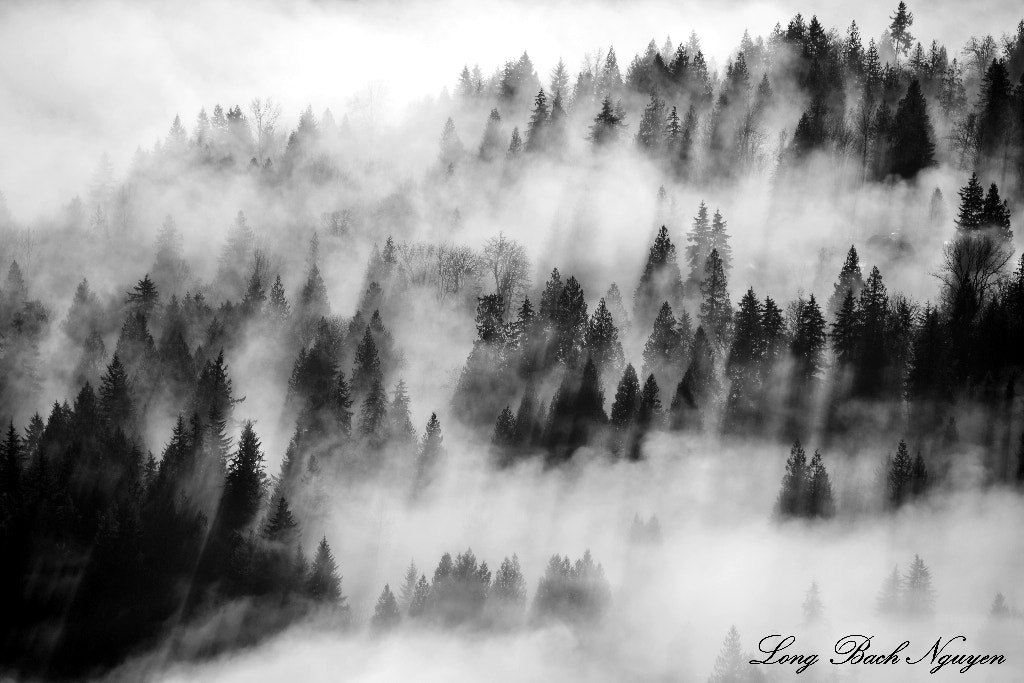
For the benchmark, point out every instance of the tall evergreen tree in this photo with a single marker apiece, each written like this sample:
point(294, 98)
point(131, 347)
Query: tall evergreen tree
point(715, 307)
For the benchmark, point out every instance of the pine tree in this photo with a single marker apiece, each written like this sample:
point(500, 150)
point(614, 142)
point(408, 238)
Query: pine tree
point(282, 527)
point(715, 307)
point(277, 306)
point(570, 323)
point(515, 145)
point(793, 498)
point(663, 352)
point(808, 343)
point(845, 334)
point(918, 594)
point(627, 399)
point(820, 502)
point(504, 437)
point(509, 584)
point(431, 449)
point(607, 124)
point(912, 145)
point(602, 340)
point(366, 368)
point(890, 599)
point(324, 583)
point(972, 206)
point(812, 607)
point(660, 281)
point(536, 131)
point(700, 247)
point(144, 297)
point(648, 414)
point(373, 415)
point(850, 280)
point(899, 29)
point(12, 453)
point(400, 429)
point(408, 589)
point(719, 241)
point(899, 476)
point(730, 666)
point(386, 614)
point(995, 214)
point(493, 138)
point(116, 406)
point(245, 482)
point(420, 599)
point(648, 135)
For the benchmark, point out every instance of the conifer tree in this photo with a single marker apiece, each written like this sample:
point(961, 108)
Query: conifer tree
point(491, 146)
point(715, 307)
point(812, 607)
point(699, 249)
point(627, 399)
point(719, 241)
point(912, 145)
point(245, 482)
point(663, 352)
point(730, 666)
point(324, 583)
point(918, 594)
point(408, 588)
point(116, 407)
point(899, 476)
point(660, 281)
point(373, 415)
point(889, 601)
point(536, 131)
point(515, 145)
point(400, 429)
point(281, 527)
point(602, 340)
point(420, 599)
point(792, 501)
point(366, 368)
point(850, 280)
point(144, 297)
point(820, 502)
point(648, 414)
point(648, 134)
point(607, 125)
point(971, 213)
point(386, 614)
point(808, 343)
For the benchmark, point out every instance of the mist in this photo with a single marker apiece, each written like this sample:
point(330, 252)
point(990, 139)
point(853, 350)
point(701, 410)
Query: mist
point(718, 325)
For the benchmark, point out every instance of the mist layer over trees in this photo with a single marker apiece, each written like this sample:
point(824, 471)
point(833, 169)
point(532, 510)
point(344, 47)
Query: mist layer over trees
point(532, 373)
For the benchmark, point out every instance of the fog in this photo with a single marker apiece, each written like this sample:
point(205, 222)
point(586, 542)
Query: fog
point(82, 80)
point(109, 76)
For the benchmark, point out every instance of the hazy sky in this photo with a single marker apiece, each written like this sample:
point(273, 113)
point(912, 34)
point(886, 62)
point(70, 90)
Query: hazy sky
point(78, 78)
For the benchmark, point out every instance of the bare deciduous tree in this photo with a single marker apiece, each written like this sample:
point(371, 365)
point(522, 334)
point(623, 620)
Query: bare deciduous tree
point(971, 266)
point(509, 266)
point(265, 113)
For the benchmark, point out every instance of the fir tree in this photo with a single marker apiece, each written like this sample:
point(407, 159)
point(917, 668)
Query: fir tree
point(660, 281)
point(918, 594)
point(730, 666)
point(850, 280)
point(536, 131)
point(812, 607)
point(627, 399)
point(602, 340)
point(386, 614)
point(715, 307)
point(912, 143)
point(324, 583)
point(793, 498)
point(408, 588)
point(245, 482)
point(699, 248)
point(373, 415)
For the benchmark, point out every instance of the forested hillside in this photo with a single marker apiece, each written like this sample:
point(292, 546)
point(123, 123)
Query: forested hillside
point(651, 289)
